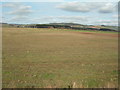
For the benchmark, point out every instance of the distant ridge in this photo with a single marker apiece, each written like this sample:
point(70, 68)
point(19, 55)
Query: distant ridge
point(74, 26)
point(65, 24)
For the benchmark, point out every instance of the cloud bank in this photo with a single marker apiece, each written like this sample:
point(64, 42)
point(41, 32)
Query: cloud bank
point(75, 12)
point(87, 7)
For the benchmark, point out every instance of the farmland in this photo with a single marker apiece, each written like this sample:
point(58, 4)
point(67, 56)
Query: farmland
point(59, 58)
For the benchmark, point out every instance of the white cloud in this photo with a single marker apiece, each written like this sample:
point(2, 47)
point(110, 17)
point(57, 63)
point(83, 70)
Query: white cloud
point(107, 8)
point(73, 17)
point(58, 19)
point(76, 6)
point(24, 10)
point(116, 16)
point(87, 7)
point(106, 22)
point(18, 12)
point(19, 20)
point(18, 8)
point(11, 5)
point(62, 19)
point(59, 0)
point(32, 0)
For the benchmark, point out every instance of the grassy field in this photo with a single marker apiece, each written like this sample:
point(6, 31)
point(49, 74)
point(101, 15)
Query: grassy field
point(59, 58)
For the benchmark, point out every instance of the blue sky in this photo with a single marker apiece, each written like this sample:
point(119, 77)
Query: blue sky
point(92, 13)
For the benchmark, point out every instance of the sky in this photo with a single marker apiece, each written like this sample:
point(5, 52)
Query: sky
point(62, 11)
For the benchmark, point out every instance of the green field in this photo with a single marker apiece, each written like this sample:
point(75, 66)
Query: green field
point(59, 58)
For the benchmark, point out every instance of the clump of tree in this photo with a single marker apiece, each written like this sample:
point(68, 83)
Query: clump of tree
point(106, 29)
point(51, 26)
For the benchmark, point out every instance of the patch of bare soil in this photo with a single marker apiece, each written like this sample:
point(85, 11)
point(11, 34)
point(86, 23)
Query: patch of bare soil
point(100, 34)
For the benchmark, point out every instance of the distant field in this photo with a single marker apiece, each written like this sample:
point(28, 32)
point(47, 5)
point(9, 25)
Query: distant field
point(59, 58)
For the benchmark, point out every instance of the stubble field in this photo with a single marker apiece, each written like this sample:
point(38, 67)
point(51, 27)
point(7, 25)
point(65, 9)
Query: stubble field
point(59, 58)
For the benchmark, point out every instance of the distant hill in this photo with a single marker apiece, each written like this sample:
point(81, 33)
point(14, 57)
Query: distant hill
point(111, 27)
point(74, 26)
point(65, 24)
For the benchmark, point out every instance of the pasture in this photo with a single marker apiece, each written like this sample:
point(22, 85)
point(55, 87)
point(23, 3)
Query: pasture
point(59, 58)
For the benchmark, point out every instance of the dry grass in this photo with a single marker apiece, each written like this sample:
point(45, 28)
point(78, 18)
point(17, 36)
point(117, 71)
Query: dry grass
point(59, 58)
